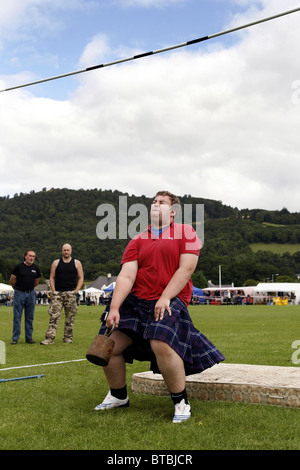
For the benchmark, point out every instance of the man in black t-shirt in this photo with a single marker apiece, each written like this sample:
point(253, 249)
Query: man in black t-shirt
point(25, 276)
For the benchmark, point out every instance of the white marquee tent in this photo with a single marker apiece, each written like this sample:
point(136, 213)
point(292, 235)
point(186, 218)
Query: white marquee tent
point(92, 291)
point(5, 288)
point(278, 289)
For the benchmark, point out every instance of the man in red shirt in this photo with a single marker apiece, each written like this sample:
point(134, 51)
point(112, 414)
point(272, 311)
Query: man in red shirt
point(149, 309)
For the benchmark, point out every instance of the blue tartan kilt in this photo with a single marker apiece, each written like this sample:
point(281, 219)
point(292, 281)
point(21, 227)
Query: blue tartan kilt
point(137, 321)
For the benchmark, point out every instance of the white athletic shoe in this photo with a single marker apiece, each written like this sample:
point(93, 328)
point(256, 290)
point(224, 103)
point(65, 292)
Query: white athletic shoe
point(182, 412)
point(112, 402)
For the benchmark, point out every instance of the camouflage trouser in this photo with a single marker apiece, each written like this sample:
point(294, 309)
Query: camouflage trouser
point(60, 300)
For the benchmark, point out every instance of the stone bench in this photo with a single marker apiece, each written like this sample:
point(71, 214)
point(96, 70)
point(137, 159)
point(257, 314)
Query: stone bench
point(232, 382)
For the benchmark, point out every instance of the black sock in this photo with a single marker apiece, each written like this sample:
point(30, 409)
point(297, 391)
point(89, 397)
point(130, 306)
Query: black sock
point(177, 397)
point(120, 393)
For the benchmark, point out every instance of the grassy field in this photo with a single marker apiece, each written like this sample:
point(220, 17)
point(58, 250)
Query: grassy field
point(276, 247)
point(57, 411)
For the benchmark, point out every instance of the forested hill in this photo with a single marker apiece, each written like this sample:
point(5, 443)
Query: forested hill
point(44, 221)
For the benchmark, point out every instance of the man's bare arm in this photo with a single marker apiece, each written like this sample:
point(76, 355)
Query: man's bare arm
point(12, 280)
point(52, 274)
point(78, 266)
point(124, 283)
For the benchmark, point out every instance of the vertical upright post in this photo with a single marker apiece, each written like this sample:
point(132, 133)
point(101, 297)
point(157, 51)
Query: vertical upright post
point(2, 353)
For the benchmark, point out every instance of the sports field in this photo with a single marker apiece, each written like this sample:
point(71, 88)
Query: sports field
point(56, 411)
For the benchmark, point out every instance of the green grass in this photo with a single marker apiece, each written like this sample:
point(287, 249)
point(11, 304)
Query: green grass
point(278, 248)
point(57, 410)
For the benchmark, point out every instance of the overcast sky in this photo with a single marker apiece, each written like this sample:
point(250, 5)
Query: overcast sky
point(218, 120)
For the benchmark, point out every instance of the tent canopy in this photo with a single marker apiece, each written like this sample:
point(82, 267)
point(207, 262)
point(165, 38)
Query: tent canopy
point(4, 288)
point(197, 291)
point(110, 288)
point(93, 290)
point(277, 287)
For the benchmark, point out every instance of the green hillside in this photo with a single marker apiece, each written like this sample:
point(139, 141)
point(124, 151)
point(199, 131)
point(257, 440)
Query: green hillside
point(45, 220)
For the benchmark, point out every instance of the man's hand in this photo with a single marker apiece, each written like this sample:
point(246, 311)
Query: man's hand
point(113, 318)
point(161, 306)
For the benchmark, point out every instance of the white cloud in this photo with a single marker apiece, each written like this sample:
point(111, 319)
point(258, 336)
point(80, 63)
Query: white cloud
point(217, 123)
point(95, 51)
point(19, 19)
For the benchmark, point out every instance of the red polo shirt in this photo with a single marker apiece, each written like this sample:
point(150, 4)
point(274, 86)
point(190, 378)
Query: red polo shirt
point(158, 259)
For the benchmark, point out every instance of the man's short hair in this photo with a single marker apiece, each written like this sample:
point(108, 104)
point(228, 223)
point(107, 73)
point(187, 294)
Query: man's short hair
point(174, 199)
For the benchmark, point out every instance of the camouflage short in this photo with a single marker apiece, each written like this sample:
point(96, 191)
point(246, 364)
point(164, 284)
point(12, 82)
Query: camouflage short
point(60, 300)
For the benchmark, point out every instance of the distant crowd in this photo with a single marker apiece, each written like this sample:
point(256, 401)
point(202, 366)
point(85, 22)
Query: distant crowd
point(240, 298)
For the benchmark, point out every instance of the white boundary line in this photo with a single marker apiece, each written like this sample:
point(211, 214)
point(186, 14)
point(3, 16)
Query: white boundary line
point(46, 364)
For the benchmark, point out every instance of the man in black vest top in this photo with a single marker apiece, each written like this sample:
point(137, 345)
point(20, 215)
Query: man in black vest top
point(66, 278)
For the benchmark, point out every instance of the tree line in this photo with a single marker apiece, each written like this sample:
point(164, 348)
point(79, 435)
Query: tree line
point(45, 220)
